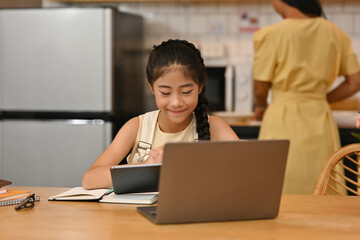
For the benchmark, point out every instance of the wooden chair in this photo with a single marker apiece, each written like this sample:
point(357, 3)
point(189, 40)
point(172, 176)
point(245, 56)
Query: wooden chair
point(333, 181)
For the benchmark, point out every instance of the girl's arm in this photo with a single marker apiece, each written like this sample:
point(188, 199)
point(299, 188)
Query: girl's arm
point(220, 130)
point(347, 88)
point(98, 175)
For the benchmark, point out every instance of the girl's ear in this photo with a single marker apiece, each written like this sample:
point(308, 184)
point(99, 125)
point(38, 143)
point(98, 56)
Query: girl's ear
point(151, 88)
point(201, 88)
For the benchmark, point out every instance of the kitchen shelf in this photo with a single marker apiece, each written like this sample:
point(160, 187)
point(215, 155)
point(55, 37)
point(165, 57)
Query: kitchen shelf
point(204, 1)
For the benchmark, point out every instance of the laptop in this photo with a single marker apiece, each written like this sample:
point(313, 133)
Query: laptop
point(219, 181)
point(135, 178)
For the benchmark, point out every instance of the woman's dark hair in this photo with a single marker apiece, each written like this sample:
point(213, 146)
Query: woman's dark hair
point(185, 54)
point(308, 7)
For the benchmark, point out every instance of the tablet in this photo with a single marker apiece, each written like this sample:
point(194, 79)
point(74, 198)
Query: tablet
point(135, 178)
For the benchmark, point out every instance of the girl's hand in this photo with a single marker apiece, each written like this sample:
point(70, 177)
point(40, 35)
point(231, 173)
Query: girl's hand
point(358, 121)
point(155, 155)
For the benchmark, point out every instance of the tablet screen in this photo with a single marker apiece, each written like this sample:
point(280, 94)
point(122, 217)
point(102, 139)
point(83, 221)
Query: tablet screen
point(135, 178)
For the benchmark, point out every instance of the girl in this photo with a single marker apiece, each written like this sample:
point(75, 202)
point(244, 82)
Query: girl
point(176, 77)
point(299, 59)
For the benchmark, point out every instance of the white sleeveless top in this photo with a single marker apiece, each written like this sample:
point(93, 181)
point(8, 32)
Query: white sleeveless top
point(153, 137)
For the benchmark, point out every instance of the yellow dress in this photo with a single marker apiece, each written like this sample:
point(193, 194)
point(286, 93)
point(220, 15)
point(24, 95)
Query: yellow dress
point(301, 58)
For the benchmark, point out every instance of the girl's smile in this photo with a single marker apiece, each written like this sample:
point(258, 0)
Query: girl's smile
point(176, 112)
point(176, 96)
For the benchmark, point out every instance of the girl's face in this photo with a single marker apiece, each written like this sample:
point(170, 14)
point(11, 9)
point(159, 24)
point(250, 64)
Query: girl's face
point(176, 96)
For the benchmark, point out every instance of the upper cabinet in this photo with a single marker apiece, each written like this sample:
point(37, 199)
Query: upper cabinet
point(102, 1)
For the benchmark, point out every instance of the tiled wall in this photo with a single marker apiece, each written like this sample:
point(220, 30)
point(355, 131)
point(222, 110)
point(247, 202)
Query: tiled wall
point(219, 22)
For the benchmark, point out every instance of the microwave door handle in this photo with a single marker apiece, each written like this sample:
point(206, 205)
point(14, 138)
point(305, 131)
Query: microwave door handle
point(229, 88)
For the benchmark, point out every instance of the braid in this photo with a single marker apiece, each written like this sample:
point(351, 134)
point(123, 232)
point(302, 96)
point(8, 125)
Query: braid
point(201, 114)
point(175, 51)
point(201, 111)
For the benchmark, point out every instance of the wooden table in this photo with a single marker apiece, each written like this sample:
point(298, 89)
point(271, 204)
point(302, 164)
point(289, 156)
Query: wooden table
point(300, 217)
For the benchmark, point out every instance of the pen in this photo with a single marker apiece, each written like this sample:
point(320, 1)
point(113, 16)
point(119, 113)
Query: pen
point(110, 191)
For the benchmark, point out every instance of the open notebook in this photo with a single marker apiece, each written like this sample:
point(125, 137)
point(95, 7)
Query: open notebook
point(104, 195)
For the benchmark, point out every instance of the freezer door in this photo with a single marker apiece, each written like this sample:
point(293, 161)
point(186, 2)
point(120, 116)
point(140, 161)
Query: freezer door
point(56, 59)
point(1, 150)
point(51, 153)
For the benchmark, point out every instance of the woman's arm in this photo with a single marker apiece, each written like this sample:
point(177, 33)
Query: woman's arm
point(347, 88)
point(220, 130)
point(98, 175)
point(261, 90)
point(358, 121)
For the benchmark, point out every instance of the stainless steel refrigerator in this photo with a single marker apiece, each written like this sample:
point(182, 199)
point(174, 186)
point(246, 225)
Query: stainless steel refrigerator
point(69, 78)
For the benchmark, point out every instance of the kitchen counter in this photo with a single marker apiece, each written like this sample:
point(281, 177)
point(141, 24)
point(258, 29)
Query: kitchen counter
point(252, 132)
point(246, 128)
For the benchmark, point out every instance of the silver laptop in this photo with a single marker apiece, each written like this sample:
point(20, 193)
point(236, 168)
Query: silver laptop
point(219, 181)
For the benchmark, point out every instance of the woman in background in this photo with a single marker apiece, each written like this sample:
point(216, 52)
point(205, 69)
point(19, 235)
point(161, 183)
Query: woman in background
point(299, 59)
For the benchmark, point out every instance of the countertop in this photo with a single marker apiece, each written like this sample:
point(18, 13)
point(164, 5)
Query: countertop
point(344, 119)
point(246, 128)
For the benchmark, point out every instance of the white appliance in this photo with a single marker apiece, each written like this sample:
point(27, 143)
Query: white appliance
point(243, 96)
point(229, 89)
point(63, 79)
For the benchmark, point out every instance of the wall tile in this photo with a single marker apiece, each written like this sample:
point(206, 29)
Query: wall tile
point(197, 24)
point(246, 45)
point(332, 7)
point(128, 7)
point(150, 41)
point(217, 24)
point(229, 7)
point(266, 8)
point(156, 25)
point(343, 21)
point(249, 7)
point(357, 24)
point(233, 24)
point(352, 7)
point(173, 7)
point(274, 18)
point(264, 20)
point(203, 7)
point(233, 47)
point(356, 45)
point(205, 38)
point(178, 24)
point(148, 8)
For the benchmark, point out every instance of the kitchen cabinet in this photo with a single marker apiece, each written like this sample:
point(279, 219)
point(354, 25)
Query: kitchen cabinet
point(250, 1)
point(20, 3)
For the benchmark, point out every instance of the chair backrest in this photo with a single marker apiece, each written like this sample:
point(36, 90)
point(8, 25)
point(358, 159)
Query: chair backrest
point(332, 179)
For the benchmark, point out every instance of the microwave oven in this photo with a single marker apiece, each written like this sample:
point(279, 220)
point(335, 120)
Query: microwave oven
point(229, 89)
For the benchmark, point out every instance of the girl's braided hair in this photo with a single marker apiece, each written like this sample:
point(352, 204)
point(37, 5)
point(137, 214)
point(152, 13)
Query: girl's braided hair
point(185, 54)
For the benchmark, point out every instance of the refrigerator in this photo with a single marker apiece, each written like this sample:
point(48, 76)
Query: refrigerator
point(69, 78)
